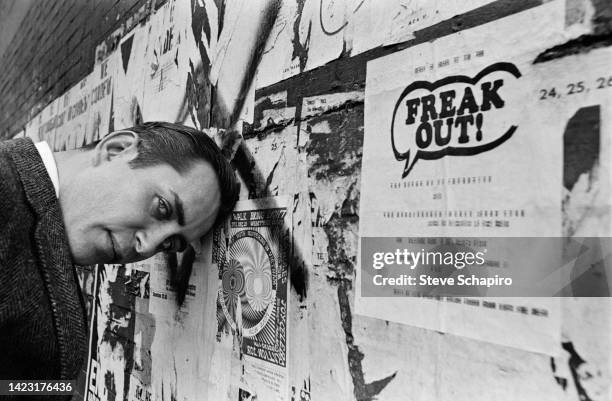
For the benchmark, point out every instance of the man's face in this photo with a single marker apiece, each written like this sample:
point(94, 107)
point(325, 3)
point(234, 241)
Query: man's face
point(117, 214)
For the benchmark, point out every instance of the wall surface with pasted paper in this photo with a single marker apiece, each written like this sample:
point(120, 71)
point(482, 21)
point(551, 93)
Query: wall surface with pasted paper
point(511, 102)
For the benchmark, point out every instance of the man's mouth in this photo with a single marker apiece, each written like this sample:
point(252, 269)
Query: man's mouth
point(116, 256)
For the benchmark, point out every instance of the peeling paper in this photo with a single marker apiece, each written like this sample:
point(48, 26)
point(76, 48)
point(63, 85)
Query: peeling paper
point(166, 63)
point(128, 98)
point(394, 21)
point(319, 248)
point(316, 105)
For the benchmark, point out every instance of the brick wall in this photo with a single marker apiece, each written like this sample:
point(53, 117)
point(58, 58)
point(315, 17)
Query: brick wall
point(53, 49)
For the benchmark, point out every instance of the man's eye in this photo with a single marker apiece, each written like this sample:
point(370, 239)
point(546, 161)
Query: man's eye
point(173, 244)
point(167, 245)
point(164, 208)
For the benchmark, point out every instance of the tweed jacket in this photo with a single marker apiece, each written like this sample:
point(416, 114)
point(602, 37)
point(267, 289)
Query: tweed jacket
point(42, 313)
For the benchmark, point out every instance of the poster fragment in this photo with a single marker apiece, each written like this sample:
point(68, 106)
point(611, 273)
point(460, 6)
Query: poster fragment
point(310, 34)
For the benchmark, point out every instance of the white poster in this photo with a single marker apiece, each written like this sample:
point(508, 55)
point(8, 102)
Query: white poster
point(463, 139)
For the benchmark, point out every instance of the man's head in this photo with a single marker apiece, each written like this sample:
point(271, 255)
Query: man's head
point(150, 188)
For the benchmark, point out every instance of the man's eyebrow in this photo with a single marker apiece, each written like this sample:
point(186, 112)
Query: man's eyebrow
point(180, 212)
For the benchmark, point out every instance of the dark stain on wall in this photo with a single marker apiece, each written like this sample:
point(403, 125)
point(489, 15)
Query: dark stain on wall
point(575, 362)
point(583, 44)
point(300, 45)
point(561, 381)
point(580, 145)
point(363, 391)
point(109, 384)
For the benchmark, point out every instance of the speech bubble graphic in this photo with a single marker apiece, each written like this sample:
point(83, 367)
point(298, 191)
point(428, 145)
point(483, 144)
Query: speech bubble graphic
point(449, 117)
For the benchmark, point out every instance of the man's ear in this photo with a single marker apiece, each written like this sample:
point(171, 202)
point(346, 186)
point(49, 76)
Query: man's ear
point(116, 144)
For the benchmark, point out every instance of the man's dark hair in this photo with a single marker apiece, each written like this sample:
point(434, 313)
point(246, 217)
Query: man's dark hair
point(180, 146)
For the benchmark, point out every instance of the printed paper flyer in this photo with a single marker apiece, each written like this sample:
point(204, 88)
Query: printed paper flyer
point(463, 138)
point(252, 255)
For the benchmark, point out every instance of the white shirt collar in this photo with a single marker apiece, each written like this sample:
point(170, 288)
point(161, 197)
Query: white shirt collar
point(49, 161)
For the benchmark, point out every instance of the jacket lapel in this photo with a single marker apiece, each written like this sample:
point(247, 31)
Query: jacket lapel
point(56, 264)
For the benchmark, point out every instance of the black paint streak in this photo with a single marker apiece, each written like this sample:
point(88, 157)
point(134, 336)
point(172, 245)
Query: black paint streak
point(580, 145)
point(220, 15)
point(271, 175)
point(300, 51)
point(223, 118)
point(325, 31)
point(126, 51)
point(179, 275)
point(199, 24)
point(109, 383)
point(561, 381)
point(582, 44)
point(247, 167)
point(574, 363)
point(298, 269)
point(363, 391)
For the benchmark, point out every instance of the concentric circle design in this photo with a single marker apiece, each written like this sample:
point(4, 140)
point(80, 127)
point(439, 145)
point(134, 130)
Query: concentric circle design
point(232, 285)
point(248, 282)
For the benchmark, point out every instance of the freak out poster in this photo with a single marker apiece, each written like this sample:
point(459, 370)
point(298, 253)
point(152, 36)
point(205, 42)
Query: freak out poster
point(473, 135)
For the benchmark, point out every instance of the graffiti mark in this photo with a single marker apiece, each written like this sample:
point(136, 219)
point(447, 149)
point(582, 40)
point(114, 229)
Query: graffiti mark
point(220, 14)
point(304, 394)
point(575, 361)
point(363, 391)
point(561, 381)
point(126, 51)
point(323, 28)
point(300, 51)
point(109, 384)
point(581, 145)
point(200, 23)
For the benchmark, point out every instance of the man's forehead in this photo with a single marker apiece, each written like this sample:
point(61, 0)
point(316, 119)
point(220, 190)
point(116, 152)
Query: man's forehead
point(197, 195)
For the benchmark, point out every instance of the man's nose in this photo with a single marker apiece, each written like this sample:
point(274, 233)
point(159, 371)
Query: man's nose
point(148, 242)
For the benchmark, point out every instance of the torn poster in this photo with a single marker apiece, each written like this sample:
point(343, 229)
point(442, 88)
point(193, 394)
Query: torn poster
point(128, 87)
point(73, 106)
point(454, 132)
point(167, 63)
point(113, 313)
point(163, 302)
point(100, 83)
point(252, 253)
point(309, 34)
